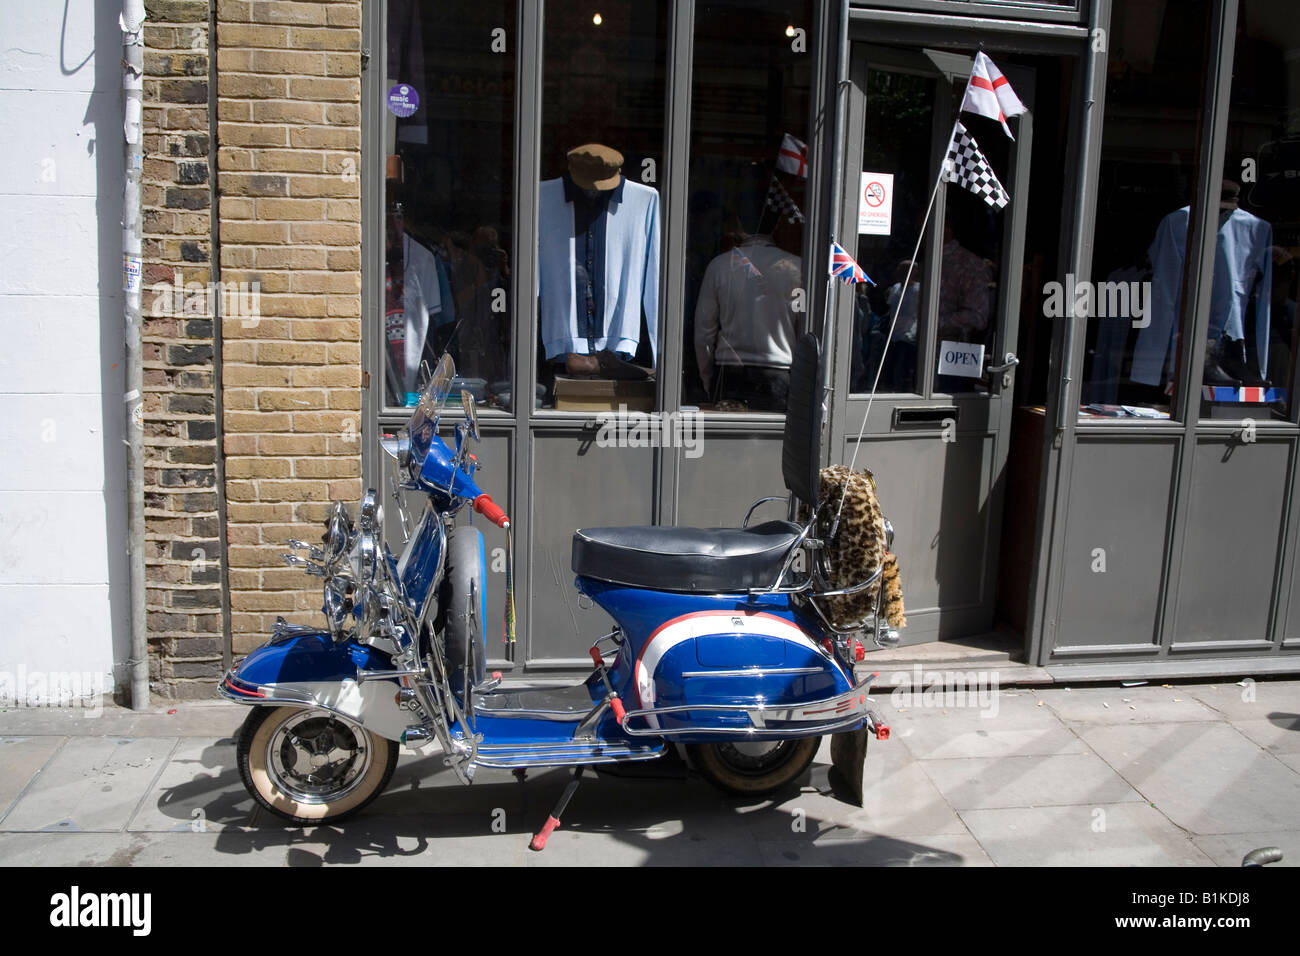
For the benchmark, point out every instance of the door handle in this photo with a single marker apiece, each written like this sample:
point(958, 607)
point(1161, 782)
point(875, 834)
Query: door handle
point(1008, 363)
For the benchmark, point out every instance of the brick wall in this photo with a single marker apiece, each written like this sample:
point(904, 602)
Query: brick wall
point(182, 527)
point(289, 156)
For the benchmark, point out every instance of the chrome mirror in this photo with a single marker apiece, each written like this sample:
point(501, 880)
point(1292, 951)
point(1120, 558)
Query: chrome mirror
point(471, 413)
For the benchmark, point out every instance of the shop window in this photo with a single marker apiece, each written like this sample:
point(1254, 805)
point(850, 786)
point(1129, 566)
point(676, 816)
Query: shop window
point(1151, 136)
point(599, 216)
point(1251, 337)
point(746, 295)
point(449, 141)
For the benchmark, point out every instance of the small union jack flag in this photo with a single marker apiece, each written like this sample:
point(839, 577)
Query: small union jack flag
point(843, 266)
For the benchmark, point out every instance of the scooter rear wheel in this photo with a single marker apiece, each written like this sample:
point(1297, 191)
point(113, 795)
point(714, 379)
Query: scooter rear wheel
point(753, 769)
point(312, 766)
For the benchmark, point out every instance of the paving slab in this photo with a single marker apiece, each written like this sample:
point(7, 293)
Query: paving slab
point(1117, 834)
point(92, 783)
point(1205, 777)
point(139, 849)
point(1227, 849)
point(949, 849)
point(22, 759)
point(199, 789)
point(1247, 699)
point(1124, 705)
point(982, 783)
point(1278, 733)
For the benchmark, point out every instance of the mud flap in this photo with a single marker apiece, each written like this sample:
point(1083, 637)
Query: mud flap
point(848, 758)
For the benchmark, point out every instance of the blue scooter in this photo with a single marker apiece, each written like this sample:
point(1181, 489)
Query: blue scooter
point(722, 656)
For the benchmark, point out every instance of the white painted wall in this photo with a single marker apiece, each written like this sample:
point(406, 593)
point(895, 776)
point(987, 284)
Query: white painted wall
point(64, 603)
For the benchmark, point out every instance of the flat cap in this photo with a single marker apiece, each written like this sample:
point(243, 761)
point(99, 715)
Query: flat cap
point(594, 166)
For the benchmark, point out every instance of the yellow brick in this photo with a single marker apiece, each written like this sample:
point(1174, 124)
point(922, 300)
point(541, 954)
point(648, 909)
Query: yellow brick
point(326, 233)
point(285, 62)
point(237, 35)
point(234, 353)
point(291, 400)
point(343, 259)
point(291, 257)
point(257, 512)
point(265, 556)
point(254, 375)
point(291, 209)
point(337, 376)
point(285, 11)
point(322, 137)
point(342, 64)
point(344, 354)
point(342, 114)
point(292, 353)
point(251, 85)
point(325, 186)
point(236, 421)
point(239, 444)
point(256, 328)
point(317, 282)
point(327, 468)
point(339, 306)
point(239, 399)
point(292, 306)
point(306, 38)
point(254, 233)
point(236, 128)
point(343, 210)
point(326, 330)
point(258, 468)
point(270, 490)
point(293, 445)
point(290, 160)
point(343, 398)
point(321, 89)
point(294, 113)
point(343, 15)
point(330, 423)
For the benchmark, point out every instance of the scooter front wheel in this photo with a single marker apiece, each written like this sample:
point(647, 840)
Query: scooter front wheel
point(312, 766)
point(753, 768)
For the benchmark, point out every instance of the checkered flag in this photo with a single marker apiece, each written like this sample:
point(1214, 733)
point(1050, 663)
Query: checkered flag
point(779, 201)
point(967, 167)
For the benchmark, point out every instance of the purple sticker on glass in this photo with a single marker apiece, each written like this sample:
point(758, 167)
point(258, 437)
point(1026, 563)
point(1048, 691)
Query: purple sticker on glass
point(403, 101)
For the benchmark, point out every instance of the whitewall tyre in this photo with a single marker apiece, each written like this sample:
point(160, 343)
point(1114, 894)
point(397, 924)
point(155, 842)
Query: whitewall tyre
point(310, 766)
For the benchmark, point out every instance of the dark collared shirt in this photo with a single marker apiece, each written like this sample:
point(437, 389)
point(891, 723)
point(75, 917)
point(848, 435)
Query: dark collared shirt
point(589, 254)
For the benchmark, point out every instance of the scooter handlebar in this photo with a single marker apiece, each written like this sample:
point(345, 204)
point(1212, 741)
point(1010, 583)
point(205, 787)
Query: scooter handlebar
point(489, 509)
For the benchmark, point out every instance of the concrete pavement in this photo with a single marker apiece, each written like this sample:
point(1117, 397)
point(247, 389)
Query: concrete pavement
point(1185, 774)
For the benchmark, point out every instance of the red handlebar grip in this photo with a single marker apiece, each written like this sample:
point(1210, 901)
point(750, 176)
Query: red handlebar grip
point(596, 656)
point(489, 509)
point(620, 714)
point(544, 834)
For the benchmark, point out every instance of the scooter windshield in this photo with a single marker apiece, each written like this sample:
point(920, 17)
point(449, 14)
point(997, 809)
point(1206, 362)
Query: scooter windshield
point(423, 425)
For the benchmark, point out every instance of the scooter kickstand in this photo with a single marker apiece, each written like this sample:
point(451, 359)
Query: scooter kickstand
point(553, 821)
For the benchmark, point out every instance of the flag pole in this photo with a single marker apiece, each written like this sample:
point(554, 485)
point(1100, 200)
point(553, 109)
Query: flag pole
point(880, 366)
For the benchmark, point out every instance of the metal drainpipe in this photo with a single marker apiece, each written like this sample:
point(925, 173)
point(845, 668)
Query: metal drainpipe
point(132, 23)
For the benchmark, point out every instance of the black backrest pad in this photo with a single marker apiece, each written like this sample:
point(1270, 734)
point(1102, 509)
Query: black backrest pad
point(801, 448)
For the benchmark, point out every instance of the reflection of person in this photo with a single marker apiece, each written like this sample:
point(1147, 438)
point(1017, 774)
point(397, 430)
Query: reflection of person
point(598, 266)
point(481, 337)
point(745, 323)
point(963, 292)
point(412, 297)
point(1243, 266)
point(1282, 332)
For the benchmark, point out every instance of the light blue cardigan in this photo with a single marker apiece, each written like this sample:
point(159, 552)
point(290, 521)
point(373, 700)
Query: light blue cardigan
point(631, 271)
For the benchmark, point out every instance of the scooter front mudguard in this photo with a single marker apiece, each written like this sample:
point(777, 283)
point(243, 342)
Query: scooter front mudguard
point(308, 668)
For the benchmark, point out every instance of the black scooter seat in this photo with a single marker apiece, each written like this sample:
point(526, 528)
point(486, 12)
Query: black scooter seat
point(713, 560)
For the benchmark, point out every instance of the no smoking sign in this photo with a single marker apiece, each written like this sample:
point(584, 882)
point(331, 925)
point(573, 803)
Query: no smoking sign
point(876, 204)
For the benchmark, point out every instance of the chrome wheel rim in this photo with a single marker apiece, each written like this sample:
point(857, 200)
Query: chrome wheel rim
point(755, 758)
point(318, 757)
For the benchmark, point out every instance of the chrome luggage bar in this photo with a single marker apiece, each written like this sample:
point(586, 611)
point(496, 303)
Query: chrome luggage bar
point(813, 717)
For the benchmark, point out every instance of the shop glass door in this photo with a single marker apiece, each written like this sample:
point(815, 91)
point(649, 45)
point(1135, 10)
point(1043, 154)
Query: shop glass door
point(938, 347)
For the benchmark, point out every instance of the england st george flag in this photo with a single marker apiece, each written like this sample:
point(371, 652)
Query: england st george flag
point(989, 94)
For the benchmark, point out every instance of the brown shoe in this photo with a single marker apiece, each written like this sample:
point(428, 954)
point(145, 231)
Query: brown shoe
point(577, 364)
